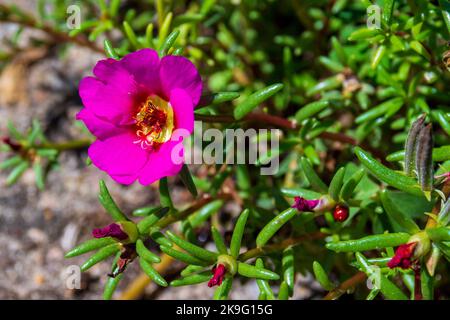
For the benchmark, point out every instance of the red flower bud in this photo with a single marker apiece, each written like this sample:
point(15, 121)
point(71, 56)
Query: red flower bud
point(301, 204)
point(403, 256)
point(113, 230)
point(219, 272)
point(13, 145)
point(340, 213)
point(126, 257)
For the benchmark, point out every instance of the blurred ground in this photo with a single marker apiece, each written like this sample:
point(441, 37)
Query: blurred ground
point(36, 228)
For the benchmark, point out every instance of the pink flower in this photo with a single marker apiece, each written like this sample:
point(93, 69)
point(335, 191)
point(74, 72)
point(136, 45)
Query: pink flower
point(403, 256)
point(113, 230)
point(219, 272)
point(133, 106)
point(301, 204)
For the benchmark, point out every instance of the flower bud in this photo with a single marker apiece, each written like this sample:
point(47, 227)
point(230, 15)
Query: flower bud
point(123, 230)
point(340, 213)
point(316, 205)
point(219, 272)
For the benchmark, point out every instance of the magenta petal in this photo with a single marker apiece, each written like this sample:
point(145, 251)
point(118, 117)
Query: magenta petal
point(103, 69)
point(301, 204)
point(125, 179)
point(98, 127)
point(144, 66)
point(161, 164)
point(183, 110)
point(179, 72)
point(118, 155)
point(113, 230)
point(109, 102)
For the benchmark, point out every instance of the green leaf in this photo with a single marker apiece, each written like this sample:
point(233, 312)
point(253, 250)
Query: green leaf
point(145, 224)
point(192, 279)
point(387, 175)
point(17, 172)
point(311, 109)
point(445, 124)
point(108, 203)
point(218, 240)
point(89, 245)
point(444, 213)
point(445, 9)
point(131, 35)
point(312, 176)
point(263, 285)
point(388, 8)
point(283, 293)
point(168, 43)
point(114, 8)
point(439, 154)
point(146, 254)
point(187, 180)
point(427, 284)
point(146, 211)
point(255, 99)
point(350, 184)
point(39, 175)
point(110, 286)
point(336, 184)
point(300, 192)
point(109, 50)
point(183, 257)
point(274, 225)
point(249, 271)
point(322, 277)
point(387, 288)
point(363, 33)
point(164, 29)
point(325, 85)
point(11, 162)
point(152, 273)
point(379, 54)
point(100, 255)
point(372, 242)
point(159, 238)
point(224, 289)
point(238, 233)
point(193, 249)
point(392, 210)
point(420, 49)
point(388, 107)
point(288, 264)
point(216, 98)
point(439, 234)
point(203, 214)
point(190, 270)
point(164, 194)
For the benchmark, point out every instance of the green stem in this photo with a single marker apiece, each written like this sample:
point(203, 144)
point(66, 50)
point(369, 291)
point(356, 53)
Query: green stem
point(261, 251)
point(68, 145)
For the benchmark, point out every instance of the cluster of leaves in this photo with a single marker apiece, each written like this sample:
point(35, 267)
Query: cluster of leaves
point(333, 83)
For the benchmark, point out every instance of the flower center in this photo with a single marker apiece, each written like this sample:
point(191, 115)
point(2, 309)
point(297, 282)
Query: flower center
point(154, 122)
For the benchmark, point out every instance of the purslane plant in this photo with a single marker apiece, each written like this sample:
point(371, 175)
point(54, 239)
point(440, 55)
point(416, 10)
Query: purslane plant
point(362, 190)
